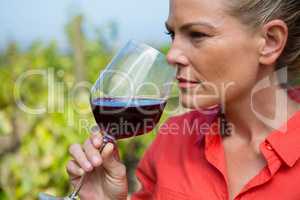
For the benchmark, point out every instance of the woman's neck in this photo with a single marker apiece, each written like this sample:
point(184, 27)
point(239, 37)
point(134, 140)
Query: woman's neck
point(252, 118)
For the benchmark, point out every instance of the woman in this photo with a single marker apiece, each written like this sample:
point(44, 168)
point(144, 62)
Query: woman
point(232, 53)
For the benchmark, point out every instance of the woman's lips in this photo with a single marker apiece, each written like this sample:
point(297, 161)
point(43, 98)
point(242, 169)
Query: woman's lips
point(185, 83)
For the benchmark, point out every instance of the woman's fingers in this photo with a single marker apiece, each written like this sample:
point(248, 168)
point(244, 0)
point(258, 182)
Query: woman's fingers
point(74, 169)
point(111, 162)
point(89, 157)
point(92, 153)
point(79, 156)
point(96, 139)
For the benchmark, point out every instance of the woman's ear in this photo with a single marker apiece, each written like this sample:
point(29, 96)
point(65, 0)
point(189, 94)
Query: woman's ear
point(275, 34)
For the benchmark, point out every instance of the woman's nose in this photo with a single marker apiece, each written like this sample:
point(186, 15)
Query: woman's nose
point(176, 56)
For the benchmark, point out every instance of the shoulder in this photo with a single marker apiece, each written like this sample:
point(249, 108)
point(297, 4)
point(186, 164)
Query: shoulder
point(187, 124)
point(176, 139)
point(182, 131)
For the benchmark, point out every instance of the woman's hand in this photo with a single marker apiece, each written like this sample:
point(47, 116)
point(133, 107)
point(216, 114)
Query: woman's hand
point(105, 175)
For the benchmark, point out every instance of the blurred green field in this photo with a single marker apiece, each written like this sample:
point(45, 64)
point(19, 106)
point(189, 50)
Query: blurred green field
point(34, 147)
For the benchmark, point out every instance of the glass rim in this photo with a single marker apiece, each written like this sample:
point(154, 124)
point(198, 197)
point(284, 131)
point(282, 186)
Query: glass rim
point(139, 46)
point(142, 44)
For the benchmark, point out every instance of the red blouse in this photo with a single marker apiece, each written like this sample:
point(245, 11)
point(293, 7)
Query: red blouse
point(186, 161)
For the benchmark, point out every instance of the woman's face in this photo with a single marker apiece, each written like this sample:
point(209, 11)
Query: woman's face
point(216, 56)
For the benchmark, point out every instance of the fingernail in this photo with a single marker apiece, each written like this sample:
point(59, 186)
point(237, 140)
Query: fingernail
point(88, 166)
point(95, 160)
point(81, 172)
point(111, 146)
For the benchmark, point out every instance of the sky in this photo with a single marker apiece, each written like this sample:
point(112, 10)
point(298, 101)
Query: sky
point(25, 21)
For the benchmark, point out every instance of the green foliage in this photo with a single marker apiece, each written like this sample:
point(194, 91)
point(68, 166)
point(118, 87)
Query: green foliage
point(34, 147)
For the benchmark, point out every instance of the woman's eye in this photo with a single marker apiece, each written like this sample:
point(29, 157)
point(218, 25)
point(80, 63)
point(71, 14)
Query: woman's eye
point(171, 34)
point(197, 35)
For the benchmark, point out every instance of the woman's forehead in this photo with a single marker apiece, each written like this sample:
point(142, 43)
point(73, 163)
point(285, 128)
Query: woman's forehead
point(194, 5)
point(188, 11)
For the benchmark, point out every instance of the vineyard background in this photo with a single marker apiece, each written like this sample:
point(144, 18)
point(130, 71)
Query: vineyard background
point(34, 146)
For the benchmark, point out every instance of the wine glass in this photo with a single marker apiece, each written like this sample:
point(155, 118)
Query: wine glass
point(129, 96)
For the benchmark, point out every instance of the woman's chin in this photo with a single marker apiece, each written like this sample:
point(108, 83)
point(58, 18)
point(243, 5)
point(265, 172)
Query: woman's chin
point(195, 103)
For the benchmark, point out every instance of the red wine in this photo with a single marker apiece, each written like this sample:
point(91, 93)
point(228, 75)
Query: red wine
point(123, 118)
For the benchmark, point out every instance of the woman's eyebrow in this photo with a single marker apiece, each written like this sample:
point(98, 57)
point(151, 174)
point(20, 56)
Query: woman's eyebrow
point(189, 25)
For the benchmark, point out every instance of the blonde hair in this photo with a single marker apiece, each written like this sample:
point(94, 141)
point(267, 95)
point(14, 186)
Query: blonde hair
point(258, 12)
